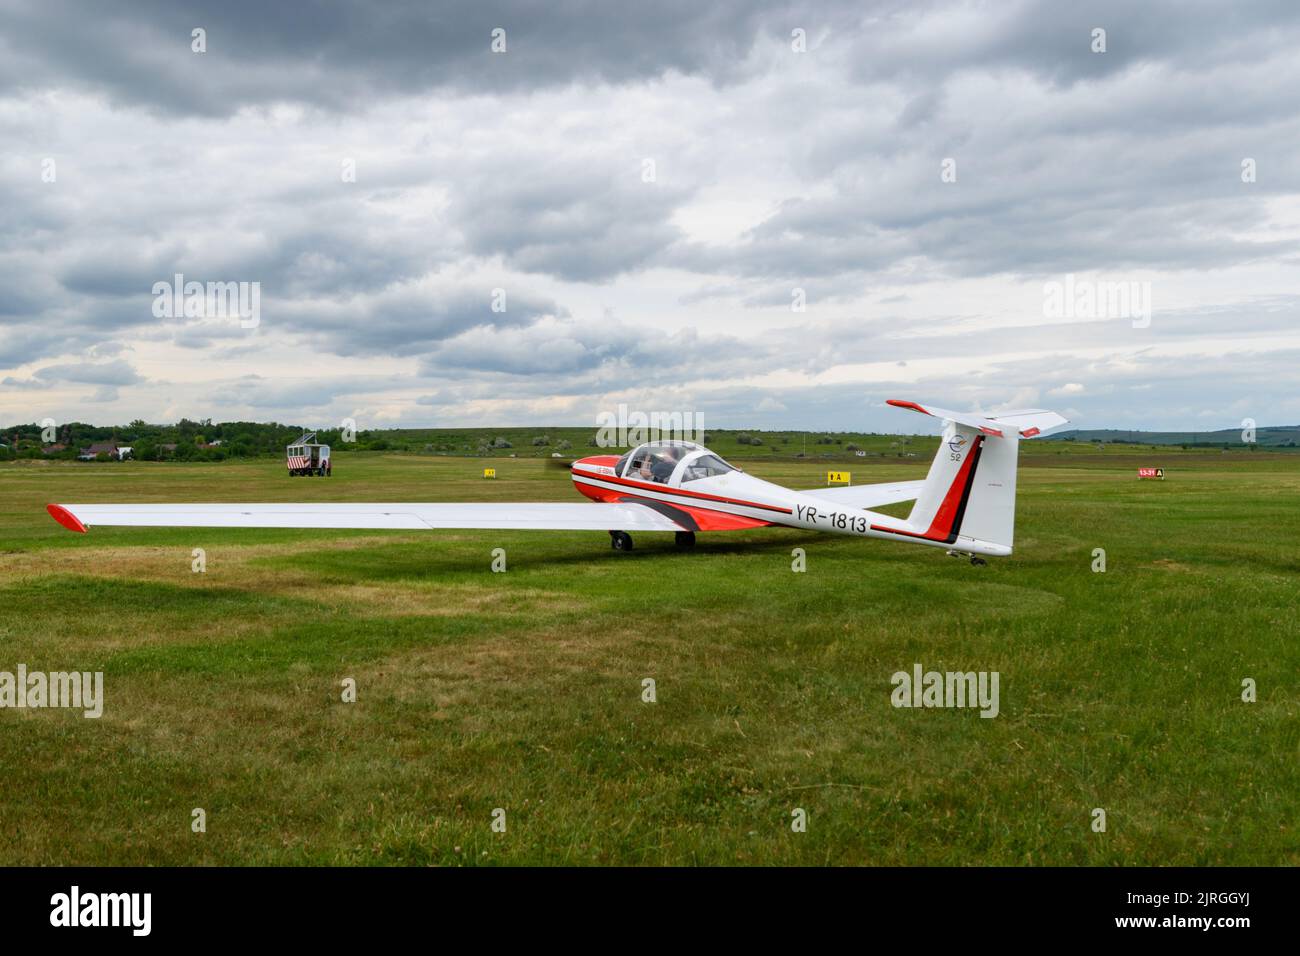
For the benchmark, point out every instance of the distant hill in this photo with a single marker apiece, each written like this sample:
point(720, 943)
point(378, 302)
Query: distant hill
point(1271, 436)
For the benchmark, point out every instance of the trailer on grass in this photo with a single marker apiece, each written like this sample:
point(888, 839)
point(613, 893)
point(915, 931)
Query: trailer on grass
point(308, 457)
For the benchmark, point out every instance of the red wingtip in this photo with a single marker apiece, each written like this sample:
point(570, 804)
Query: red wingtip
point(899, 403)
point(66, 518)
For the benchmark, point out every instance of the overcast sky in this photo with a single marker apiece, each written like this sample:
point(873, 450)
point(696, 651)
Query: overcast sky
point(655, 188)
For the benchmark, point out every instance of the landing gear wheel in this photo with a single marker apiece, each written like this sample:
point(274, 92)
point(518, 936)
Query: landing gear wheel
point(620, 541)
point(686, 540)
point(978, 562)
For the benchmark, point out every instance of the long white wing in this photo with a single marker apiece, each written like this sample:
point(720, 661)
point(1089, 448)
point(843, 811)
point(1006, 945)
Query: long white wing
point(869, 496)
point(558, 516)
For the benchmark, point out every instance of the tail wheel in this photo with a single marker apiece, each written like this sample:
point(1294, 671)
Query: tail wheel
point(686, 540)
point(620, 541)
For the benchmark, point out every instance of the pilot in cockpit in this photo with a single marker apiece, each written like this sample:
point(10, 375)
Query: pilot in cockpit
point(659, 467)
point(663, 468)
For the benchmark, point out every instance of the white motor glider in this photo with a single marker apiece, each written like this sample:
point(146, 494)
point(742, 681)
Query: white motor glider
point(966, 504)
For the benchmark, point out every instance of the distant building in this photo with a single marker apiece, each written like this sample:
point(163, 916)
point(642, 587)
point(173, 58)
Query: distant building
point(91, 452)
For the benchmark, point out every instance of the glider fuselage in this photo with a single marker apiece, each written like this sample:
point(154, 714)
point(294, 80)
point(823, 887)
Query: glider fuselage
point(737, 500)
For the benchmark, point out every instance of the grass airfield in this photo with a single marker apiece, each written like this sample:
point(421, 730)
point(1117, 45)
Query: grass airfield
point(523, 690)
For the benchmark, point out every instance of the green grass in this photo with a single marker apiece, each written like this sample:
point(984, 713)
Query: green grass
point(522, 690)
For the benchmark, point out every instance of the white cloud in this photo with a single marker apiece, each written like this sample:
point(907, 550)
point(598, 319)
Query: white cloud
point(774, 172)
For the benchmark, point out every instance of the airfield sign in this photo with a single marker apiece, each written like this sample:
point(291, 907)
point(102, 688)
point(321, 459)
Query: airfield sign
point(838, 478)
point(1151, 473)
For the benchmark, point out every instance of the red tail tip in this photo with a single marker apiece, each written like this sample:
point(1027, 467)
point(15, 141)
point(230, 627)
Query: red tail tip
point(66, 518)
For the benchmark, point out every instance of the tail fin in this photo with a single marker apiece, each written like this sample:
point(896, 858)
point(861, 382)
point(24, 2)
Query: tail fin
point(969, 497)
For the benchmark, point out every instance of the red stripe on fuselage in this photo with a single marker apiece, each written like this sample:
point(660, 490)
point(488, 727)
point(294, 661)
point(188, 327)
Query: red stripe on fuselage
point(705, 519)
point(678, 492)
point(606, 461)
point(947, 518)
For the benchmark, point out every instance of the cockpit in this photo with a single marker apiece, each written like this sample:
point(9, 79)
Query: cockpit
point(671, 462)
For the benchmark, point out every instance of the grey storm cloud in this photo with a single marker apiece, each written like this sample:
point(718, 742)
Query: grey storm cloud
point(90, 373)
point(412, 319)
point(102, 395)
point(25, 383)
point(257, 392)
point(1054, 40)
point(565, 220)
point(615, 350)
point(1095, 185)
point(337, 54)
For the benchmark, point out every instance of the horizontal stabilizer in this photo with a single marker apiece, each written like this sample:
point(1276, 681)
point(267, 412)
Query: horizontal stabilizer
point(1024, 423)
point(1031, 421)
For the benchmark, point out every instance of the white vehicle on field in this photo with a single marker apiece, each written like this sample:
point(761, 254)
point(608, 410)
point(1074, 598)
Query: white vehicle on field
point(307, 457)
